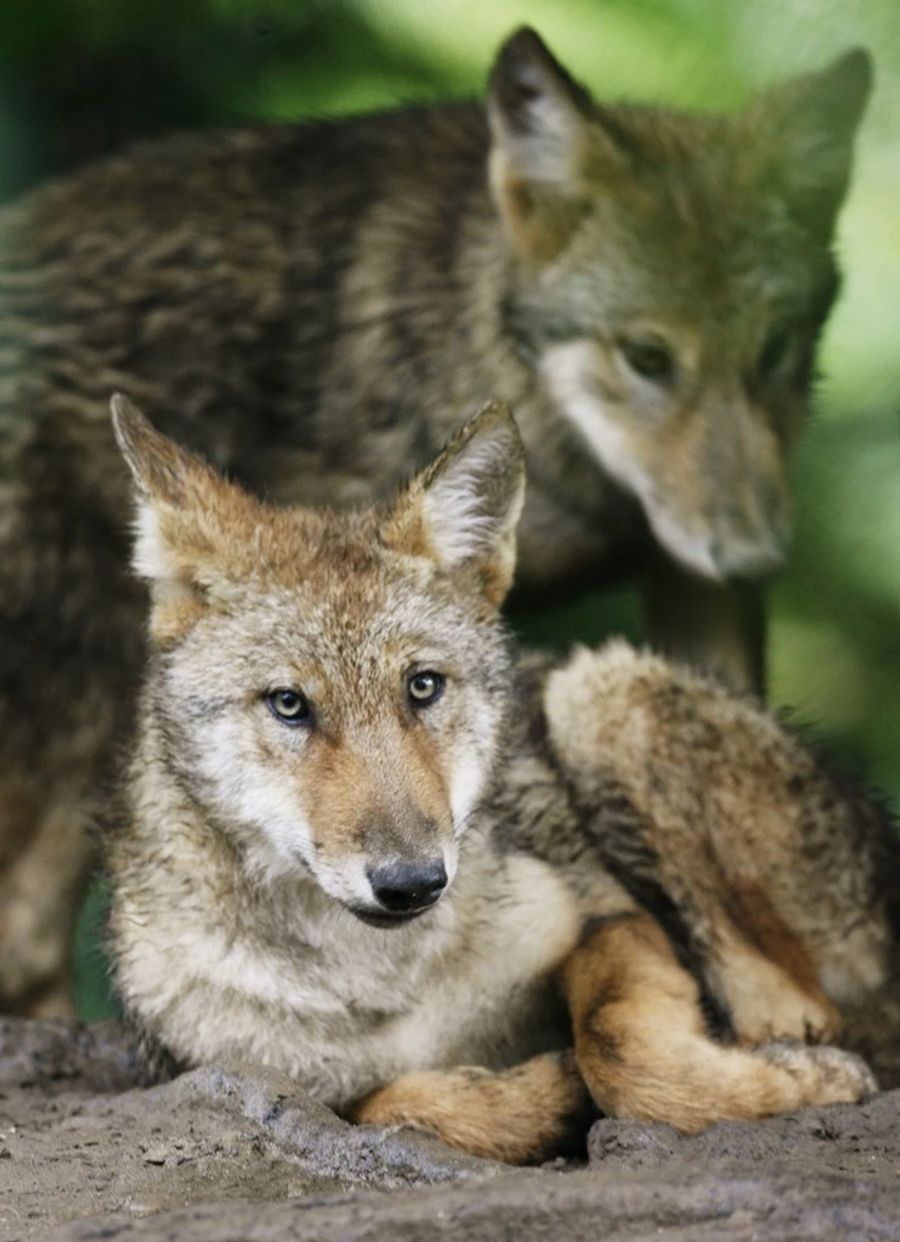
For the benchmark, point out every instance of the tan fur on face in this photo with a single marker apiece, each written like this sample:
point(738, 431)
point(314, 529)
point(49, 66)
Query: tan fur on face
point(369, 779)
point(693, 447)
point(354, 806)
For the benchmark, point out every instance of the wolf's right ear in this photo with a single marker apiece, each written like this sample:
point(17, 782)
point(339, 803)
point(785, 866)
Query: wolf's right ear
point(462, 511)
point(183, 506)
point(806, 130)
point(546, 138)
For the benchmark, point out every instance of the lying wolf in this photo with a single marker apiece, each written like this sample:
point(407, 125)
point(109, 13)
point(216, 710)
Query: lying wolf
point(315, 307)
point(444, 884)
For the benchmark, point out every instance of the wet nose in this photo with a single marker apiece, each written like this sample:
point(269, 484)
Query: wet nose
point(401, 887)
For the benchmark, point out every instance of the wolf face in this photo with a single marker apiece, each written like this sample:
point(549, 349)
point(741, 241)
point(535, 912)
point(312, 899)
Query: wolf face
point(330, 687)
point(671, 276)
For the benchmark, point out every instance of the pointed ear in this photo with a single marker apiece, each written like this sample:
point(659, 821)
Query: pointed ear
point(808, 126)
point(462, 511)
point(546, 137)
point(181, 502)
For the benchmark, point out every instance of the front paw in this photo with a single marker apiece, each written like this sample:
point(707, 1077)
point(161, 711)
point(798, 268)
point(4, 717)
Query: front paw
point(823, 1074)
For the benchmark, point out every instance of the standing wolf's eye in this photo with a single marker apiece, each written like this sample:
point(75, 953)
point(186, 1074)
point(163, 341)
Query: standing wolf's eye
point(773, 353)
point(289, 706)
point(651, 360)
point(424, 688)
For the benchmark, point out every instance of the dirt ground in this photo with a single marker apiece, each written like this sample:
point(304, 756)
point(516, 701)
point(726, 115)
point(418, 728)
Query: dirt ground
point(86, 1152)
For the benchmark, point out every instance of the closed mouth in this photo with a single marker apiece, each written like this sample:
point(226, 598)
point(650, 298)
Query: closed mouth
point(384, 918)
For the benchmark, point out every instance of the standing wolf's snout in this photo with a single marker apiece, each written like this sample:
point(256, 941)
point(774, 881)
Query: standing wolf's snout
point(407, 888)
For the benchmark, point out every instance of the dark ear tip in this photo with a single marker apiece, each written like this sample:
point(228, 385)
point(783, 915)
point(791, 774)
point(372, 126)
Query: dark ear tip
point(524, 41)
point(519, 53)
point(851, 77)
point(857, 66)
point(857, 62)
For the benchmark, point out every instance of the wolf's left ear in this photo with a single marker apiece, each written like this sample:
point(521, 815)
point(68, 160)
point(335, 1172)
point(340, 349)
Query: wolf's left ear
point(546, 137)
point(807, 127)
point(463, 509)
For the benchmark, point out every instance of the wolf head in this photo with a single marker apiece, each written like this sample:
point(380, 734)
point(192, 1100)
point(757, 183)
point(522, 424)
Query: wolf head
point(670, 276)
point(329, 688)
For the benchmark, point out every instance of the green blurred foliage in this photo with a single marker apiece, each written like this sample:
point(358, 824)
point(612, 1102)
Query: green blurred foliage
point(79, 79)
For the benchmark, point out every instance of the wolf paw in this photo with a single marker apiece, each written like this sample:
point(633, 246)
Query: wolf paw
point(766, 1005)
point(824, 1074)
point(787, 1014)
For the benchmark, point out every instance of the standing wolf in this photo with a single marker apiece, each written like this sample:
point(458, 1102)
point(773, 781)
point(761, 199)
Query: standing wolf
point(364, 843)
point(316, 306)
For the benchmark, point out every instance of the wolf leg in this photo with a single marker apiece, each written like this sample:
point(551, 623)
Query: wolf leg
point(46, 855)
point(519, 1115)
point(719, 629)
point(780, 877)
point(641, 1046)
point(764, 975)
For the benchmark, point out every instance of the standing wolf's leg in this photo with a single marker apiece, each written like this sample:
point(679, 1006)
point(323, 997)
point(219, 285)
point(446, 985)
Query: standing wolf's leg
point(54, 765)
point(519, 1115)
point(71, 643)
point(641, 1046)
point(45, 855)
point(719, 629)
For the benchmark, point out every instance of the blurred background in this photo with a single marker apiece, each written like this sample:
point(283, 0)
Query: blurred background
point(81, 79)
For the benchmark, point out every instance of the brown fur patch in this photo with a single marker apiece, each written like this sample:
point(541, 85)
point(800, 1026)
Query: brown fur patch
point(348, 798)
point(642, 1049)
point(521, 1115)
point(539, 224)
point(756, 915)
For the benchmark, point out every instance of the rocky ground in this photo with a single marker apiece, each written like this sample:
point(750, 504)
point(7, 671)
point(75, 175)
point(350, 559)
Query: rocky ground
point(86, 1152)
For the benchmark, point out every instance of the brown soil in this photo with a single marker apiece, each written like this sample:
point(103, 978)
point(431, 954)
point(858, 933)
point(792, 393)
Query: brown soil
point(86, 1152)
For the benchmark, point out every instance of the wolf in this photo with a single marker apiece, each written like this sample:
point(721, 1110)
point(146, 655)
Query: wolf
point(444, 884)
point(315, 307)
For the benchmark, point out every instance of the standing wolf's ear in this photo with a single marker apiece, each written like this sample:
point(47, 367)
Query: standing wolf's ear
point(546, 137)
point(183, 506)
point(808, 126)
point(462, 511)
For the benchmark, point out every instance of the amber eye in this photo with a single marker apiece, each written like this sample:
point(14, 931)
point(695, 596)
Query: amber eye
point(424, 688)
point(650, 359)
point(290, 706)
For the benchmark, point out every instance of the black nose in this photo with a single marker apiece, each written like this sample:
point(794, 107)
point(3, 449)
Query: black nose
point(401, 887)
